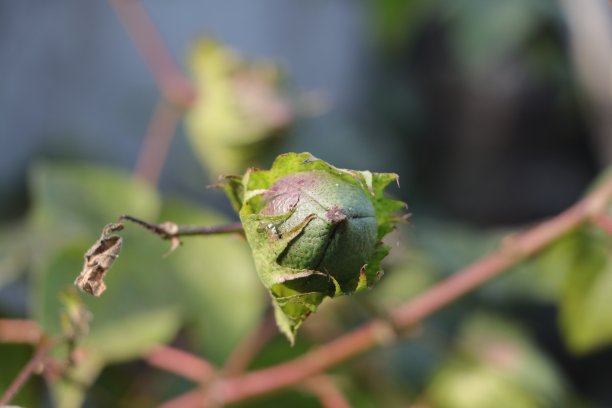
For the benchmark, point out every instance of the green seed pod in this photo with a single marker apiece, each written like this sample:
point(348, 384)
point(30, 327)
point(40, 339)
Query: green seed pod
point(315, 231)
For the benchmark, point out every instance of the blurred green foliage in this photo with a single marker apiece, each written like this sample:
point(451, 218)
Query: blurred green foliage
point(241, 111)
point(151, 297)
point(585, 304)
point(495, 364)
point(539, 336)
point(209, 288)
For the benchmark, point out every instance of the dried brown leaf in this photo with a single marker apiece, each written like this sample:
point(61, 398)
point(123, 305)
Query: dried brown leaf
point(98, 260)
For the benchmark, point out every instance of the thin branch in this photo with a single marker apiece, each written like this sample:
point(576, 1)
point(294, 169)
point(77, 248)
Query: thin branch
point(603, 221)
point(191, 399)
point(326, 390)
point(181, 363)
point(513, 250)
point(169, 230)
point(40, 354)
point(249, 347)
point(154, 150)
point(20, 331)
point(186, 230)
point(168, 76)
point(235, 364)
point(54, 369)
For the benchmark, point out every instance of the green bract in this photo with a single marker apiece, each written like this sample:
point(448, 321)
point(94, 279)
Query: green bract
point(315, 230)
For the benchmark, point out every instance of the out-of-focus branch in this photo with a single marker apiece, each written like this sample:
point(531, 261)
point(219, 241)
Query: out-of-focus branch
point(20, 331)
point(248, 348)
point(154, 150)
point(326, 390)
point(191, 399)
point(176, 88)
point(603, 221)
point(169, 78)
point(39, 355)
point(180, 362)
point(235, 364)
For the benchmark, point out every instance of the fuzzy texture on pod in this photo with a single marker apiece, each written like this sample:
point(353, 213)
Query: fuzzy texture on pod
point(315, 231)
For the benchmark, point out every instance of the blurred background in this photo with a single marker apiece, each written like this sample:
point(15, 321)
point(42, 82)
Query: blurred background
point(495, 114)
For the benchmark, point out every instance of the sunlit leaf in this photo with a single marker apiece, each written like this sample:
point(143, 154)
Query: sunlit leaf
point(585, 305)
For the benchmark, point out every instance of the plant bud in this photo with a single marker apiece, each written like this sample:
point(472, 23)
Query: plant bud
point(340, 237)
point(315, 231)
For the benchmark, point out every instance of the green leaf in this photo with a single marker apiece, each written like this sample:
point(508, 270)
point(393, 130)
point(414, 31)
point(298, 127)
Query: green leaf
point(70, 390)
point(141, 306)
point(14, 252)
point(133, 315)
point(495, 364)
point(539, 279)
point(72, 198)
point(218, 283)
point(314, 230)
point(585, 303)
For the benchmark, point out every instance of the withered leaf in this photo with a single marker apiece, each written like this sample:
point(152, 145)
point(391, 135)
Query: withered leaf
point(98, 260)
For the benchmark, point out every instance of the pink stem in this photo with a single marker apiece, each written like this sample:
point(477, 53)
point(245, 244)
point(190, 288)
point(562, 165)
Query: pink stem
point(180, 362)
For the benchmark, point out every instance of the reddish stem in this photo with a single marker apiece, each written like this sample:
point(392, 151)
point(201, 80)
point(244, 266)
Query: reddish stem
point(168, 76)
point(169, 230)
point(180, 362)
point(162, 129)
point(191, 399)
point(328, 393)
point(603, 221)
point(41, 352)
point(19, 331)
point(248, 348)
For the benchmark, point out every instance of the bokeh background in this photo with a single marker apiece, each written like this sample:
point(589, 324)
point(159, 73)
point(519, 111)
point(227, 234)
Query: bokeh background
point(495, 114)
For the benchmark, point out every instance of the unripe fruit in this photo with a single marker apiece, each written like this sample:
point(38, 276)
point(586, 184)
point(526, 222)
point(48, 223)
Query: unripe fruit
point(315, 231)
point(341, 236)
